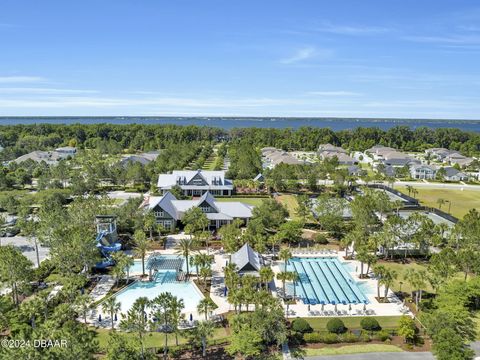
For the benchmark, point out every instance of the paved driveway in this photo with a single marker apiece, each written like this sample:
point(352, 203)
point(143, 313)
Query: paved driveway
point(378, 356)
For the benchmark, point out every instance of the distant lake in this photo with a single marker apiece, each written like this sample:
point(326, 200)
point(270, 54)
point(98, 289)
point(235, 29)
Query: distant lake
point(231, 122)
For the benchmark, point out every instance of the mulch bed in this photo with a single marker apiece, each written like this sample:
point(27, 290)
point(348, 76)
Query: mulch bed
point(396, 340)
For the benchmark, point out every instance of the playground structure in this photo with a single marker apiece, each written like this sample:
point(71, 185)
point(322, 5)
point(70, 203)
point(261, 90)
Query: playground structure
point(107, 239)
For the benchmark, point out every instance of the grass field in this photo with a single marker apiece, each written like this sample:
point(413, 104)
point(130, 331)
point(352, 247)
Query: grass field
point(154, 339)
point(320, 324)
point(290, 202)
point(401, 269)
point(247, 200)
point(461, 201)
point(352, 349)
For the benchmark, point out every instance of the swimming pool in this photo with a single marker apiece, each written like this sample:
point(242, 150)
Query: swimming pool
point(324, 281)
point(163, 282)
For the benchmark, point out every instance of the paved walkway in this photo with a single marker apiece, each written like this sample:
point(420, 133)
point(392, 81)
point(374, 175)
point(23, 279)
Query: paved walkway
point(102, 288)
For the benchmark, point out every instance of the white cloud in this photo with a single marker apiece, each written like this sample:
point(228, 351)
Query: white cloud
point(41, 91)
point(334, 93)
point(351, 30)
point(20, 79)
point(306, 53)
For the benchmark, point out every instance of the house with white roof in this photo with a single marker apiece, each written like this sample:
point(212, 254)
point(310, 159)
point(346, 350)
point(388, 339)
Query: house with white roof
point(169, 211)
point(196, 182)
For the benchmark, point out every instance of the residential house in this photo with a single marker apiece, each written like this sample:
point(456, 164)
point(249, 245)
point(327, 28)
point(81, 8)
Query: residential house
point(422, 171)
point(272, 157)
point(169, 211)
point(390, 156)
point(452, 174)
point(329, 151)
point(196, 182)
point(143, 158)
point(49, 157)
point(457, 158)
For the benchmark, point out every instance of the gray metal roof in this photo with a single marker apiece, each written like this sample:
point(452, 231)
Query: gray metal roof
point(246, 259)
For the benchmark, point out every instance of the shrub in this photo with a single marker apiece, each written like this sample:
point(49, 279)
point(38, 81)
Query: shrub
point(364, 337)
point(336, 326)
point(369, 323)
point(321, 239)
point(349, 338)
point(301, 325)
point(330, 338)
point(383, 335)
point(313, 337)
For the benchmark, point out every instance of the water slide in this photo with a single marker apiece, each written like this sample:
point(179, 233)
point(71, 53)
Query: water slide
point(106, 249)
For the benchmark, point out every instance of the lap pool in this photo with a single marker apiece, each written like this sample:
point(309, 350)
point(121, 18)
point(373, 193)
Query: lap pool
point(324, 281)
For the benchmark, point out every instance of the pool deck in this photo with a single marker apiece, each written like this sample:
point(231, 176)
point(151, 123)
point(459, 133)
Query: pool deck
point(394, 308)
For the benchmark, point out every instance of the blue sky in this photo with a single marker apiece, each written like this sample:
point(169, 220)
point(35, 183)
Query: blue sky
point(395, 58)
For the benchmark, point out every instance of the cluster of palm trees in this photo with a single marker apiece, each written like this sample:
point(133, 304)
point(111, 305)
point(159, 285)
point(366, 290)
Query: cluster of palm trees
point(248, 289)
point(285, 255)
point(202, 263)
point(166, 316)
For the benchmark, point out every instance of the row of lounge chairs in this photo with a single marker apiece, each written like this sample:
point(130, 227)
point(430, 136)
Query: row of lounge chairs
point(341, 312)
point(314, 252)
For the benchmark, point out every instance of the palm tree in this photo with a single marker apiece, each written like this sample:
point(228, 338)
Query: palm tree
point(285, 254)
point(205, 272)
point(294, 277)
point(196, 261)
point(149, 223)
point(387, 280)
point(204, 330)
point(84, 303)
point(161, 307)
point(379, 271)
point(111, 306)
point(440, 203)
point(205, 306)
point(136, 320)
point(184, 248)
point(266, 275)
point(417, 280)
point(283, 276)
point(176, 307)
point(142, 245)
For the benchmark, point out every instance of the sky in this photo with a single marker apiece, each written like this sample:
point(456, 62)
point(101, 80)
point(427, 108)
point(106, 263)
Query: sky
point(299, 58)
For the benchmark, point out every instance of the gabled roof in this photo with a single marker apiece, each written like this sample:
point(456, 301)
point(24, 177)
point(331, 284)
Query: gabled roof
point(259, 177)
point(165, 203)
point(214, 179)
point(246, 259)
point(209, 199)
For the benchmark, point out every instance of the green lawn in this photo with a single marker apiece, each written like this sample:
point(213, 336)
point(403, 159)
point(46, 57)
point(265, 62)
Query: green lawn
point(461, 201)
point(352, 349)
point(154, 339)
point(247, 200)
point(401, 269)
point(290, 202)
point(320, 323)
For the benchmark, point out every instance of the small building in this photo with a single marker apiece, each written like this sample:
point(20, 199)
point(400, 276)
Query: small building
point(48, 157)
point(354, 170)
point(272, 157)
point(329, 151)
point(259, 178)
point(196, 182)
point(248, 261)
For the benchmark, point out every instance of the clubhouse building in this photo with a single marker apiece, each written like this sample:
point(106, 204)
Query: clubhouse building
point(169, 211)
point(196, 182)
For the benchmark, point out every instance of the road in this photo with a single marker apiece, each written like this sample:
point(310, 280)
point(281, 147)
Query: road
point(27, 248)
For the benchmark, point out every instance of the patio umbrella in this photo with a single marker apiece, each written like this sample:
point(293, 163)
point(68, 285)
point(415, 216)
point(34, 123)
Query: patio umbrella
point(99, 317)
point(191, 317)
point(323, 305)
point(350, 307)
point(225, 291)
point(308, 307)
point(115, 318)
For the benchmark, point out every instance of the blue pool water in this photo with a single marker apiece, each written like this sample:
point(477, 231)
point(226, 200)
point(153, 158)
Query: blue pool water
point(164, 282)
point(324, 281)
